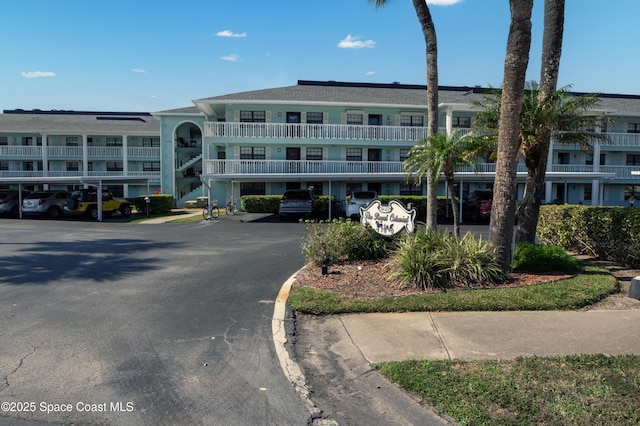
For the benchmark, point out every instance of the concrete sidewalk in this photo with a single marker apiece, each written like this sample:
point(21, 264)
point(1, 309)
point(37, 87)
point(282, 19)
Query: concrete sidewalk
point(489, 335)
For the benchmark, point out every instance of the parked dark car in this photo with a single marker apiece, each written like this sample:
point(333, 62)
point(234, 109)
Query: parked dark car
point(296, 202)
point(10, 202)
point(477, 205)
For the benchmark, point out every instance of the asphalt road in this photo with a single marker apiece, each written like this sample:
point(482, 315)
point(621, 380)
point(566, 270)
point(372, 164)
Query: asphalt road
point(122, 323)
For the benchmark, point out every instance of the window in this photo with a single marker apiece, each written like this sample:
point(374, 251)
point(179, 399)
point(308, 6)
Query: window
point(4, 166)
point(632, 190)
point(32, 165)
point(151, 166)
point(72, 141)
point(588, 159)
point(412, 120)
point(253, 117)
point(355, 119)
point(410, 189)
point(586, 194)
point(315, 118)
point(404, 154)
point(114, 141)
point(252, 188)
point(4, 140)
point(150, 142)
point(27, 141)
point(354, 154)
point(72, 166)
point(114, 166)
point(633, 127)
point(563, 157)
point(633, 159)
point(252, 153)
point(314, 153)
point(462, 122)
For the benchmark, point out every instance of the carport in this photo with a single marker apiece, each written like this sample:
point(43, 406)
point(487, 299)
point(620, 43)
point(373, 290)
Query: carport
point(95, 181)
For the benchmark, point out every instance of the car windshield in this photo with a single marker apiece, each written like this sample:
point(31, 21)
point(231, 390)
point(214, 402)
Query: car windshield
point(296, 195)
point(39, 195)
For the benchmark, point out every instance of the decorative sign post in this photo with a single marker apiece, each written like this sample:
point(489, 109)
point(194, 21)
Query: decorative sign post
point(388, 220)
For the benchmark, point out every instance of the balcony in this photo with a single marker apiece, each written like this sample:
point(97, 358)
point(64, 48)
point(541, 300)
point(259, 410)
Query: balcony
point(314, 131)
point(391, 170)
point(20, 152)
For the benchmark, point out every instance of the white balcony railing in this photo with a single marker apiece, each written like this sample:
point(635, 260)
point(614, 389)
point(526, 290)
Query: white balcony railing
point(64, 151)
point(315, 131)
point(143, 152)
point(272, 168)
point(105, 151)
point(20, 151)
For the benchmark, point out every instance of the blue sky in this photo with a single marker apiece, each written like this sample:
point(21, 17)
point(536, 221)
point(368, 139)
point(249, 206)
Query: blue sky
point(144, 55)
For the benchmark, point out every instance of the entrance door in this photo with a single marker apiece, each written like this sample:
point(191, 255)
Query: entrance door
point(374, 120)
point(293, 158)
point(374, 155)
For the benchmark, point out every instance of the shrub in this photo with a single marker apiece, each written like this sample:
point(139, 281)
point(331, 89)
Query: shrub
point(538, 258)
point(158, 203)
point(439, 260)
point(343, 240)
point(260, 203)
point(612, 233)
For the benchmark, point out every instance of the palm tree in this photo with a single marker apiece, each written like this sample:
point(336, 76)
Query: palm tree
point(429, 31)
point(443, 154)
point(503, 210)
point(562, 114)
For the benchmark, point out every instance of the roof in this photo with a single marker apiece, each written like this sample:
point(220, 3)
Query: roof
point(78, 122)
point(396, 94)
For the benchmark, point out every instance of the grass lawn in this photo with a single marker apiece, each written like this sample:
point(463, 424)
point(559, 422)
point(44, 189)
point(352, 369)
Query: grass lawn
point(573, 293)
point(572, 390)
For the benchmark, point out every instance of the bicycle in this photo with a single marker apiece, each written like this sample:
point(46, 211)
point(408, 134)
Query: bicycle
point(212, 211)
point(231, 208)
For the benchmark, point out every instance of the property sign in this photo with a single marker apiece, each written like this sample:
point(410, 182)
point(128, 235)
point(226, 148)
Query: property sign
point(388, 220)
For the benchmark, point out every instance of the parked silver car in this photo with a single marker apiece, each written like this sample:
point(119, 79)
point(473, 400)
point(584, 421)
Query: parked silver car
point(50, 203)
point(359, 199)
point(10, 202)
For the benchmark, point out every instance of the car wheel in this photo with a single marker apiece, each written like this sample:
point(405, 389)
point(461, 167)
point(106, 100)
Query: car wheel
point(54, 212)
point(125, 210)
point(92, 211)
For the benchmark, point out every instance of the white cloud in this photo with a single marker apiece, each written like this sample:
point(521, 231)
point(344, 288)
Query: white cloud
point(371, 72)
point(351, 42)
point(443, 2)
point(231, 58)
point(37, 74)
point(229, 33)
point(139, 71)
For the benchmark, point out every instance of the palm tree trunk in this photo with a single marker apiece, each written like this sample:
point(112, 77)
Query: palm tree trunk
point(429, 32)
point(529, 208)
point(515, 66)
point(454, 204)
point(551, 51)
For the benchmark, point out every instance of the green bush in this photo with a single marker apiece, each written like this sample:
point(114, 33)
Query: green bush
point(439, 260)
point(343, 240)
point(260, 203)
point(158, 203)
point(539, 258)
point(611, 233)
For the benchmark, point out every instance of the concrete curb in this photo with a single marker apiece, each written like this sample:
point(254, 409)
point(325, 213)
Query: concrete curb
point(290, 368)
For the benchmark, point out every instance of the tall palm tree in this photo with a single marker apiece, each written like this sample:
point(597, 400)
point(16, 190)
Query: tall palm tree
point(503, 210)
point(429, 31)
point(562, 114)
point(444, 154)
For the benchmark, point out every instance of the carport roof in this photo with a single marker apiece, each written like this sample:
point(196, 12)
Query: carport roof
point(90, 180)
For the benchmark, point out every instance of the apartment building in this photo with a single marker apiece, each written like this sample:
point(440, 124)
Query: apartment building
point(338, 137)
point(333, 137)
point(65, 149)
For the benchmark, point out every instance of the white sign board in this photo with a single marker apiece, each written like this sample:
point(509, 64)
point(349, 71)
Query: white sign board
point(388, 220)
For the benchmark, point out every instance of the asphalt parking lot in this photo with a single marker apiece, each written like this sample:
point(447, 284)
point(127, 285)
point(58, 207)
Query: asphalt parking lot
point(125, 323)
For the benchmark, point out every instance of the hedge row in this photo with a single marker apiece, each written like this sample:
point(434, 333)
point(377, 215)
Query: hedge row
point(270, 204)
point(612, 233)
point(158, 203)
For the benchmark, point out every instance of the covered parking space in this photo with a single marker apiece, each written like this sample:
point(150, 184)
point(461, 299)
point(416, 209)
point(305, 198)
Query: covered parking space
point(94, 181)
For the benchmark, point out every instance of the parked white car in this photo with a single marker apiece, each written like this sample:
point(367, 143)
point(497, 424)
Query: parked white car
point(50, 203)
point(359, 199)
